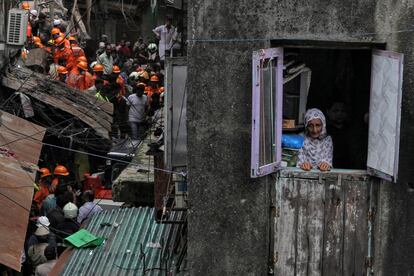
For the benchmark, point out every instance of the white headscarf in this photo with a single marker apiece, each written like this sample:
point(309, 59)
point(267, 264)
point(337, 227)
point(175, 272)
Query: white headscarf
point(316, 150)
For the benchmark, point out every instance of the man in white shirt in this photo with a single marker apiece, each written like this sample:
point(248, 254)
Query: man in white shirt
point(137, 103)
point(166, 34)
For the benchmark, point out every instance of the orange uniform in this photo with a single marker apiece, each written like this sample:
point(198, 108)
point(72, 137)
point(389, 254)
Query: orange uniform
point(77, 51)
point(120, 80)
point(150, 91)
point(79, 81)
point(65, 53)
point(41, 194)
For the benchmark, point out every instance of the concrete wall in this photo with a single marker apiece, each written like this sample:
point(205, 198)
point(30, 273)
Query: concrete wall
point(228, 222)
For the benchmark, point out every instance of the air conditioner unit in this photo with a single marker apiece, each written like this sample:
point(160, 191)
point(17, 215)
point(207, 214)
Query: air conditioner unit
point(17, 26)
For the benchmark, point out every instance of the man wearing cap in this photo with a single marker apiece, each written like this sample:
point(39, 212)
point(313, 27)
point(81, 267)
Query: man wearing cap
point(57, 23)
point(42, 224)
point(37, 245)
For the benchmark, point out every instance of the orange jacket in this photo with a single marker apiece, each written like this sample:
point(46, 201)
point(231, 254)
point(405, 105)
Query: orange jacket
point(41, 194)
point(78, 81)
point(77, 51)
point(66, 54)
point(89, 81)
point(120, 80)
point(150, 91)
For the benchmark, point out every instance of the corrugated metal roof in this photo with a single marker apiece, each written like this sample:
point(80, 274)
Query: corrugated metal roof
point(127, 249)
point(18, 159)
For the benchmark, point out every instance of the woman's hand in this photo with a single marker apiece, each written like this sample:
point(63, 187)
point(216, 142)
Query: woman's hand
point(324, 166)
point(306, 166)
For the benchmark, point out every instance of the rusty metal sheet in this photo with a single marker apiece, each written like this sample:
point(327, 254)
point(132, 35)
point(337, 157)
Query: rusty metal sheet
point(16, 193)
point(18, 158)
point(27, 137)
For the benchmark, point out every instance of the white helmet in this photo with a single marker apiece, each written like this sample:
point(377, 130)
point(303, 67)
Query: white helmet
point(70, 210)
point(134, 75)
point(152, 47)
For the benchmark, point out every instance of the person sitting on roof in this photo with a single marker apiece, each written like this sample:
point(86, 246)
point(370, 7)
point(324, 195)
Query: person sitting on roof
point(88, 208)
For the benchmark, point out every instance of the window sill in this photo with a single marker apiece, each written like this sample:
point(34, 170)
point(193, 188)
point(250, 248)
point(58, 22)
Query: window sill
point(317, 174)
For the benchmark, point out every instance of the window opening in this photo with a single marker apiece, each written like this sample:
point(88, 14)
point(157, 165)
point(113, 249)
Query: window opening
point(336, 81)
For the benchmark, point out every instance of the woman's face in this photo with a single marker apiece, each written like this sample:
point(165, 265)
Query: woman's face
point(314, 128)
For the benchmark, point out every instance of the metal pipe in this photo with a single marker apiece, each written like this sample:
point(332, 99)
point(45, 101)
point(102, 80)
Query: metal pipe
point(370, 226)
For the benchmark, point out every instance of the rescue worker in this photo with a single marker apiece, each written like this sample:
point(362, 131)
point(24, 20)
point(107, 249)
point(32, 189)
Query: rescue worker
point(37, 42)
point(153, 88)
point(45, 182)
point(61, 181)
point(119, 80)
point(79, 77)
point(55, 33)
point(64, 52)
point(98, 71)
point(76, 49)
point(62, 74)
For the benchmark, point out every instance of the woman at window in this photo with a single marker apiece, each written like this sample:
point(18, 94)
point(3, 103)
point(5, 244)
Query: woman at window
point(317, 150)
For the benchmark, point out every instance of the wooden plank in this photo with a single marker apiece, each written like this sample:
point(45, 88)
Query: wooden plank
point(303, 187)
point(286, 224)
point(315, 222)
point(333, 228)
point(355, 228)
point(310, 226)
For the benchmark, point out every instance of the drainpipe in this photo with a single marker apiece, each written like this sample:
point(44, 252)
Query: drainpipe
point(371, 215)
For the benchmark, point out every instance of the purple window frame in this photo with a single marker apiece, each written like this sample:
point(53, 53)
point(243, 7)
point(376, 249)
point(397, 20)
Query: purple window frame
point(373, 171)
point(258, 56)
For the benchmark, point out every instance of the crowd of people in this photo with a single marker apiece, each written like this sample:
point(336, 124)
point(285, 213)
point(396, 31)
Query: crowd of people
point(58, 210)
point(129, 76)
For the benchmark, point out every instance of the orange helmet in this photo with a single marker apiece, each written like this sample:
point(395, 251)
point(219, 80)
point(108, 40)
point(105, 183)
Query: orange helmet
point(144, 74)
point(83, 65)
point(115, 69)
point(61, 170)
point(25, 6)
point(82, 58)
point(36, 39)
point(72, 38)
point(62, 70)
point(98, 68)
point(154, 78)
point(44, 172)
point(55, 31)
point(59, 41)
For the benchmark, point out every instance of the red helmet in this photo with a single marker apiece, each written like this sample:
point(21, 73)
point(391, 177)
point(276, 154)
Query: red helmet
point(62, 70)
point(82, 58)
point(61, 170)
point(55, 31)
point(59, 41)
point(83, 65)
point(44, 172)
point(154, 78)
point(116, 70)
point(98, 68)
point(26, 6)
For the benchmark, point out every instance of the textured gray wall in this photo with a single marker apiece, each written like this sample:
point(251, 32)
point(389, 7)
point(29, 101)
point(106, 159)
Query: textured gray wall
point(228, 222)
